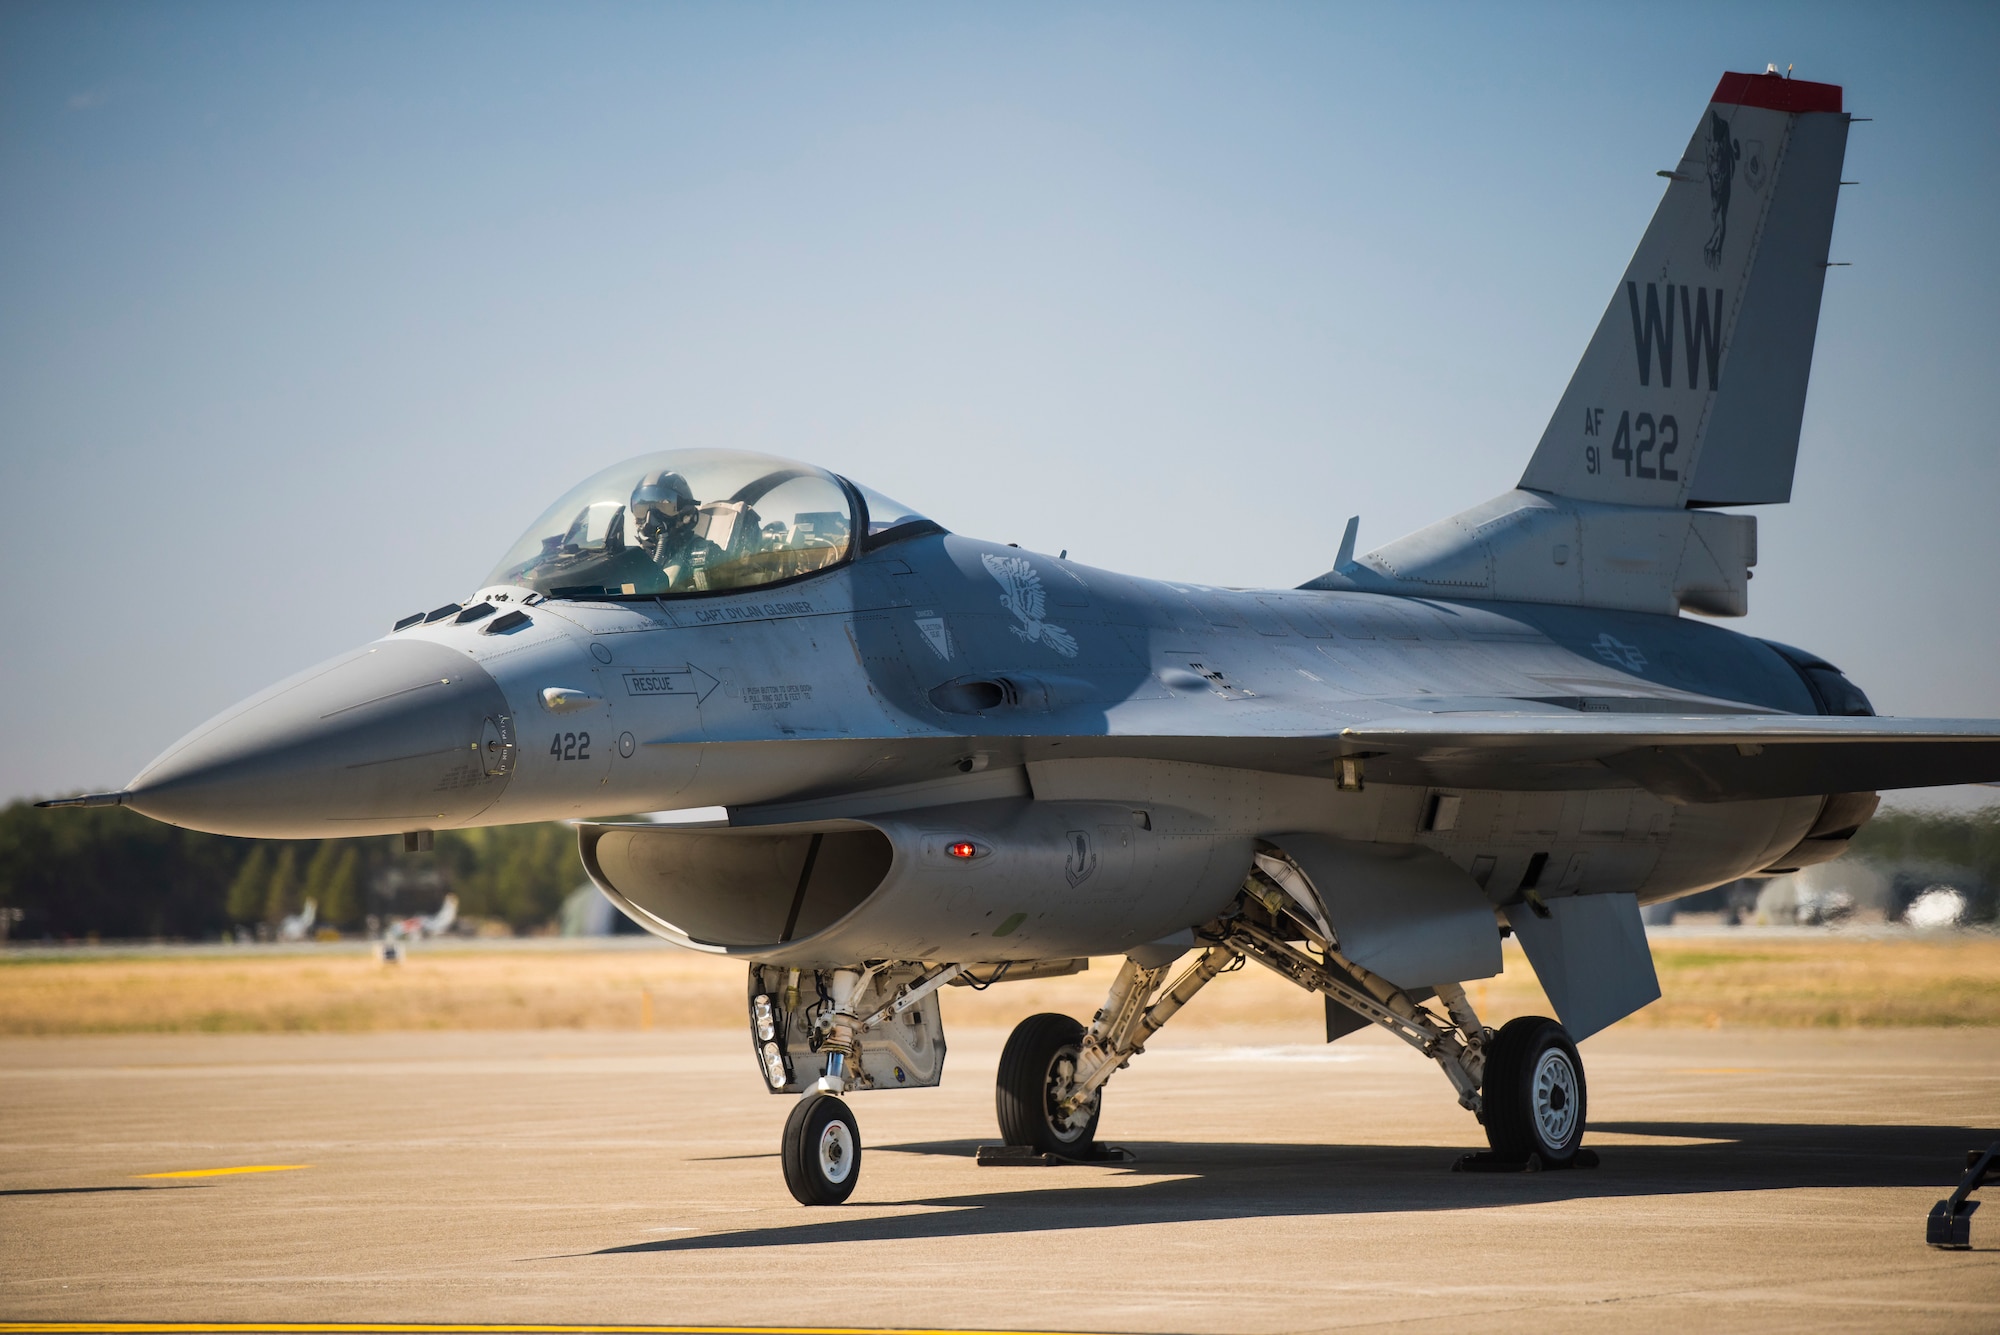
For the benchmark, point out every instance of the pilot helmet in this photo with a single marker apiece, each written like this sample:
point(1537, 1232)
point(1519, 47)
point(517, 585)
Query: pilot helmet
point(662, 501)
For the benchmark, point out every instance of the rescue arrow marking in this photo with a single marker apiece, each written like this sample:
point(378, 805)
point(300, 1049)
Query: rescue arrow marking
point(685, 680)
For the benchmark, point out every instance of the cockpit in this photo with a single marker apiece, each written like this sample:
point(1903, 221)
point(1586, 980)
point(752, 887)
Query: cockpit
point(690, 522)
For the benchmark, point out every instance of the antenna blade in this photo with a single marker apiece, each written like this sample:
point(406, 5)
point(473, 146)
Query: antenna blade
point(1346, 555)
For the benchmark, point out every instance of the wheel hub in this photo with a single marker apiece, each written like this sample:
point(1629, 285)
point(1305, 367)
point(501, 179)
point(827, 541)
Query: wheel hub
point(1068, 1125)
point(836, 1152)
point(1555, 1097)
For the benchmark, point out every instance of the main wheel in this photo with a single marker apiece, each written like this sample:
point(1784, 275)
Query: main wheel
point(822, 1151)
point(1038, 1062)
point(1535, 1099)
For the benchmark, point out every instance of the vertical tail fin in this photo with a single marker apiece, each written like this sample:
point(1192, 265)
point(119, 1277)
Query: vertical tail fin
point(1691, 391)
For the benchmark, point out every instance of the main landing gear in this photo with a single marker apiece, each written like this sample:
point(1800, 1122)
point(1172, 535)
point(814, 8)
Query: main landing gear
point(1037, 1071)
point(1525, 1083)
point(1533, 1100)
point(877, 1027)
point(1050, 1089)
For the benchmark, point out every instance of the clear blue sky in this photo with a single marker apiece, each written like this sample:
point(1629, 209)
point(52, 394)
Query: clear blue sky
point(307, 309)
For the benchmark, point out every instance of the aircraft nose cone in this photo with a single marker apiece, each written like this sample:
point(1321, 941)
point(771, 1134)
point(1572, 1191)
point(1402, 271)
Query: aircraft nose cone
point(402, 735)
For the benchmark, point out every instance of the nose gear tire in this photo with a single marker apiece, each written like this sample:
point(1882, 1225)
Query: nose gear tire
point(1040, 1058)
point(1534, 1094)
point(821, 1151)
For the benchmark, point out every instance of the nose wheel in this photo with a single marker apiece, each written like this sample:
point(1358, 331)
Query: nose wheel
point(821, 1151)
point(1535, 1097)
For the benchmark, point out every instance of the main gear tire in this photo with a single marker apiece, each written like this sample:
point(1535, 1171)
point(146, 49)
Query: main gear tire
point(821, 1151)
point(1040, 1059)
point(1534, 1097)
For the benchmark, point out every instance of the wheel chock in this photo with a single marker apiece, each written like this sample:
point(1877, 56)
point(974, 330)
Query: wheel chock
point(1487, 1161)
point(1949, 1228)
point(1950, 1222)
point(1026, 1156)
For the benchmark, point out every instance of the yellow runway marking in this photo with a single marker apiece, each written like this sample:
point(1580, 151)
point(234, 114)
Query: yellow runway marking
point(225, 1172)
point(343, 1327)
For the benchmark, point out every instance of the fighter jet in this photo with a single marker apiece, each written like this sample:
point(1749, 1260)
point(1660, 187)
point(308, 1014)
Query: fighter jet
point(294, 926)
point(421, 926)
point(946, 760)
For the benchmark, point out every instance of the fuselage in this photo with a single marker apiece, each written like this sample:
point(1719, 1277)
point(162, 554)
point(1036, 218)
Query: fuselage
point(939, 668)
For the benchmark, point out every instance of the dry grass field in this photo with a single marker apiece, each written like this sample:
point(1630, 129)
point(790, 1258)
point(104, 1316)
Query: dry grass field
point(1823, 979)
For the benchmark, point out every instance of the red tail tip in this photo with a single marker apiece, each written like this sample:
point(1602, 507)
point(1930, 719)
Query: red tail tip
point(1776, 92)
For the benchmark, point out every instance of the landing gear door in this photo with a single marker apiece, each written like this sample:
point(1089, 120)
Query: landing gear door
point(1404, 912)
point(902, 1052)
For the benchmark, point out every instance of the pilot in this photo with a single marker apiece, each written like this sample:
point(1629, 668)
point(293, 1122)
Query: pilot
point(664, 521)
point(663, 513)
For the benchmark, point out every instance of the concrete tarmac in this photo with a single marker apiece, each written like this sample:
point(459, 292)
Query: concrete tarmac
point(1767, 1180)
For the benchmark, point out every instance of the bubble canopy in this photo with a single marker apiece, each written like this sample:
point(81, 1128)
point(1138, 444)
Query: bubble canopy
point(692, 522)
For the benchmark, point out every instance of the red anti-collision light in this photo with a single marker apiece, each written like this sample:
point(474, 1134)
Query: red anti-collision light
point(963, 849)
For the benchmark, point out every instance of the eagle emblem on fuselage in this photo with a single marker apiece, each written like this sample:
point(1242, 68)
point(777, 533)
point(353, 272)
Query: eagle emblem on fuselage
point(1022, 594)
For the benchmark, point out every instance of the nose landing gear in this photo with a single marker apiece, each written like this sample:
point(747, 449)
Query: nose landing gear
point(875, 1027)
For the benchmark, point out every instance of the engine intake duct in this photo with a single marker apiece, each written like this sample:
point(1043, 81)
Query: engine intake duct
point(725, 888)
point(991, 881)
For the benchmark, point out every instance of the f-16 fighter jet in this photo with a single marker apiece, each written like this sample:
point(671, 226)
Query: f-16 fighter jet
point(421, 926)
point(949, 760)
point(294, 926)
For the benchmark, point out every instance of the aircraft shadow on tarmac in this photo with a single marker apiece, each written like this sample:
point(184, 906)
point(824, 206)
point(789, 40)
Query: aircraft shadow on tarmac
point(1203, 1182)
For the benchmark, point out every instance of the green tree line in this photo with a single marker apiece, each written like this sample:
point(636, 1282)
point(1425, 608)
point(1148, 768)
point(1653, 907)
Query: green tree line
point(112, 873)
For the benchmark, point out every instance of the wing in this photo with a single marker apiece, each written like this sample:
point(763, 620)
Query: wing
point(1704, 758)
point(1683, 758)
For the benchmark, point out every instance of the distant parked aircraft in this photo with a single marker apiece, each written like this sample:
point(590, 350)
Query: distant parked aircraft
point(295, 925)
point(423, 925)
